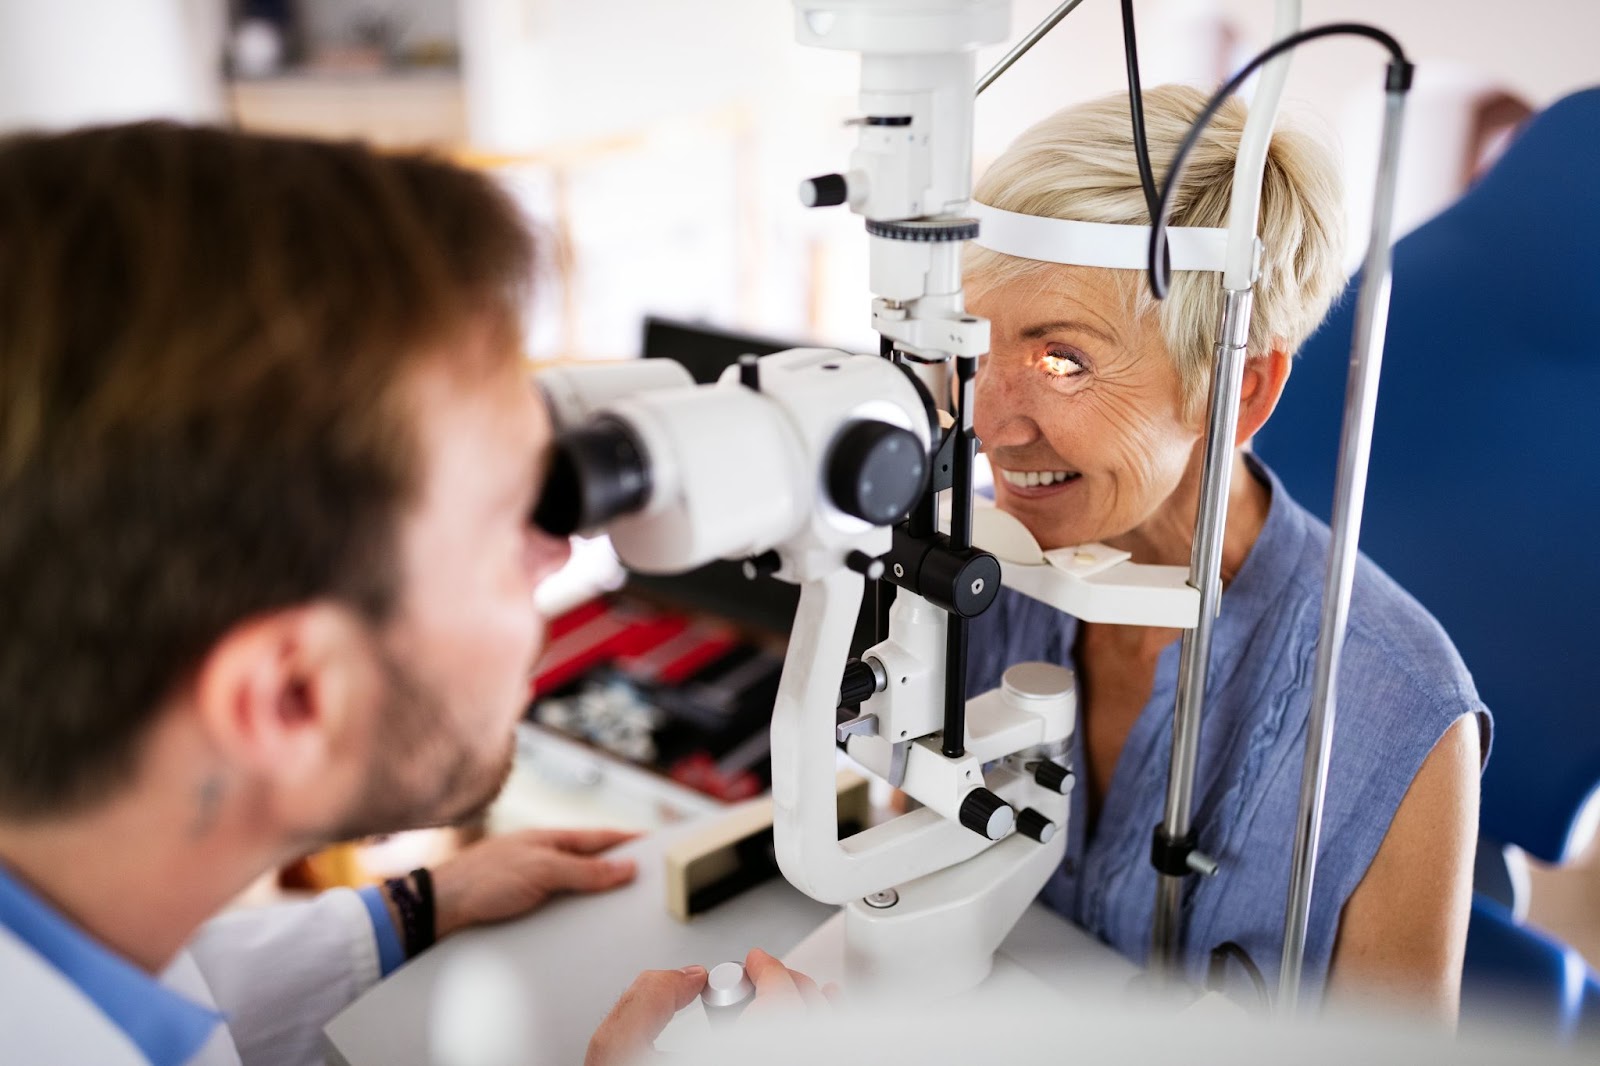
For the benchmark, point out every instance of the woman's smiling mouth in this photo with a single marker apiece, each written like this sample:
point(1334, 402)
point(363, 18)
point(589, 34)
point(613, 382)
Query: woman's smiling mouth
point(1037, 483)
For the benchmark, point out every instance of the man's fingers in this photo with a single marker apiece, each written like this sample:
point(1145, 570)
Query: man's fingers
point(642, 1012)
point(578, 873)
point(809, 992)
point(774, 981)
point(584, 841)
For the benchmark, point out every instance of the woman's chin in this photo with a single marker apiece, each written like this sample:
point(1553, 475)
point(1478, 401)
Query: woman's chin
point(1049, 528)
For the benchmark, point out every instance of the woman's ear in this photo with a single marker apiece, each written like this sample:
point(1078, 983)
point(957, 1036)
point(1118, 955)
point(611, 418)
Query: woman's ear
point(1261, 387)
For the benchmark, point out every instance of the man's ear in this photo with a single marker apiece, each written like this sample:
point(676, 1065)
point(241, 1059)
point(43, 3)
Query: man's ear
point(281, 696)
point(1261, 388)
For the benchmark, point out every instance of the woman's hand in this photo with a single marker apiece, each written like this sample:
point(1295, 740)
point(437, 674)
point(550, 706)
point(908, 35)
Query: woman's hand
point(506, 876)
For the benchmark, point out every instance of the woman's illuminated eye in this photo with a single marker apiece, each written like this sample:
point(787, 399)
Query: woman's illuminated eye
point(1061, 365)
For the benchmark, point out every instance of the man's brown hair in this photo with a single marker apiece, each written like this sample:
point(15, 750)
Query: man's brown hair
point(202, 334)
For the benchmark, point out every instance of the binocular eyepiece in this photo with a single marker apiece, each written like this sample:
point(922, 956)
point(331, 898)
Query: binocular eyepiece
point(817, 445)
point(598, 472)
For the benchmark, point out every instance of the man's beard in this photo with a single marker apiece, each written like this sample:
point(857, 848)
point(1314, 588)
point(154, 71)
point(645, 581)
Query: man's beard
point(421, 773)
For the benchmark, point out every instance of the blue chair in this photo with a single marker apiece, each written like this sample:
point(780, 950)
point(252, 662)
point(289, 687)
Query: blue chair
point(1484, 494)
point(1516, 973)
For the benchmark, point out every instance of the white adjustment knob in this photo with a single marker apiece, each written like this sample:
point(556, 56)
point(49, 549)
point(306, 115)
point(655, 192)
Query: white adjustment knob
point(728, 991)
point(1046, 690)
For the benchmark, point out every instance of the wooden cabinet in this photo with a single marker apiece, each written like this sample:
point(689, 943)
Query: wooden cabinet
point(390, 110)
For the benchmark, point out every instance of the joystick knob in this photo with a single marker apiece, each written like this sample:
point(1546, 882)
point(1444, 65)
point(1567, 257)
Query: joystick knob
point(987, 814)
point(728, 991)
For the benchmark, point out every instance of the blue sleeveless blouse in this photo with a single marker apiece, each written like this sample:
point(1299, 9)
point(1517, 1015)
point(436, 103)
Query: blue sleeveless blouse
point(1401, 686)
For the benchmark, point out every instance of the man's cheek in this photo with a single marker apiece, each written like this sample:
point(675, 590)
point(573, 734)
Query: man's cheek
point(541, 639)
point(544, 556)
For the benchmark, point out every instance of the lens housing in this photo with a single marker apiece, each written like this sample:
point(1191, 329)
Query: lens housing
point(599, 472)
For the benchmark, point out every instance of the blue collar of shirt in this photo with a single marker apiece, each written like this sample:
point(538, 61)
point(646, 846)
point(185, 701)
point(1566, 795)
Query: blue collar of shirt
point(1269, 567)
point(167, 1028)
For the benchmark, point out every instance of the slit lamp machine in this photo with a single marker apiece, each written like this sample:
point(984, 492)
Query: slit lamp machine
point(827, 470)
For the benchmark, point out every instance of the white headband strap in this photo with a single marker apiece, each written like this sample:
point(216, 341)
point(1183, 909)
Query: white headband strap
point(1095, 244)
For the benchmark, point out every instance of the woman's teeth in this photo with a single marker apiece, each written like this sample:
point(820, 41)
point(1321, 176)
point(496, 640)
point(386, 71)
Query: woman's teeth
point(1034, 478)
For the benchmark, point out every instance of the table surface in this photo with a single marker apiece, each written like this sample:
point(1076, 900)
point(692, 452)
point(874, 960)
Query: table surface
point(555, 974)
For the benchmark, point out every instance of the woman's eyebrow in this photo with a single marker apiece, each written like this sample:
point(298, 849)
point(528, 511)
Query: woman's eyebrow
point(1044, 329)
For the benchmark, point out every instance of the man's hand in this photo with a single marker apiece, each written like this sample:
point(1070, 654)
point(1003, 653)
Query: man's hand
point(506, 876)
point(643, 1011)
point(779, 988)
point(650, 1002)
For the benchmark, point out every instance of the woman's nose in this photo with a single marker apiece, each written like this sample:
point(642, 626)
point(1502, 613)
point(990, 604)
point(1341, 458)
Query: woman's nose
point(1000, 416)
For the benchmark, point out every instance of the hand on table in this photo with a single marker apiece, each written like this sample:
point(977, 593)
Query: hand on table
point(656, 995)
point(506, 876)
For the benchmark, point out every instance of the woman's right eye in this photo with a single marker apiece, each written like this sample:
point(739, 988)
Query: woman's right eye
point(1062, 363)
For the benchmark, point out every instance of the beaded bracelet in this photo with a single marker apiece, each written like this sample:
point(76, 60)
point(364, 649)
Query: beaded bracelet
point(418, 920)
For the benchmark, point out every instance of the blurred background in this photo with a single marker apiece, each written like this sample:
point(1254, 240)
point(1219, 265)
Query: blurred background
point(658, 142)
point(656, 145)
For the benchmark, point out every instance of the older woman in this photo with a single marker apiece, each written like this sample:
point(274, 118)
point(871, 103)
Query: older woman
point(1091, 408)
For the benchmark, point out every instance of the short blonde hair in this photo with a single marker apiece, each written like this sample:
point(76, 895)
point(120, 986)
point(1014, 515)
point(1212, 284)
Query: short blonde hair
point(1079, 164)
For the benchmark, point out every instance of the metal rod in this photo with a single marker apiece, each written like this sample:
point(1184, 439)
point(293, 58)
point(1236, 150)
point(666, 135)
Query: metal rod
point(961, 461)
point(1205, 574)
point(954, 744)
point(882, 591)
point(1020, 49)
point(1350, 486)
point(1244, 201)
point(955, 662)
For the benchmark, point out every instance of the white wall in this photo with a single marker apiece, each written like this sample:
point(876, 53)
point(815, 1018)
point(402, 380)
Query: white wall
point(1541, 48)
point(570, 79)
point(545, 73)
point(70, 62)
point(1538, 49)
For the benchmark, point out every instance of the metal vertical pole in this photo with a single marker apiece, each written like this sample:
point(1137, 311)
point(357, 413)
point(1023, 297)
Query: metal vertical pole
point(1173, 849)
point(1205, 570)
point(1355, 445)
point(955, 666)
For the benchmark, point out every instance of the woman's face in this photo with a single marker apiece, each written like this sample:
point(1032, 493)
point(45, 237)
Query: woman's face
point(1079, 408)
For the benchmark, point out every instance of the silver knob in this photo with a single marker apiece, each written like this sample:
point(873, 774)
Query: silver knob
point(728, 991)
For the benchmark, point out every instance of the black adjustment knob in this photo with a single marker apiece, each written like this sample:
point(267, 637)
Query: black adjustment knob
point(764, 565)
point(876, 471)
point(1053, 776)
point(859, 685)
point(750, 372)
point(1035, 826)
point(987, 814)
point(868, 566)
point(826, 190)
point(965, 581)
